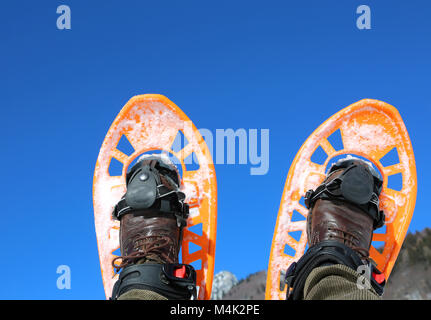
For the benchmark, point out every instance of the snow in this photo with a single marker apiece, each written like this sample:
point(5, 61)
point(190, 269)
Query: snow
point(163, 156)
point(350, 157)
point(223, 282)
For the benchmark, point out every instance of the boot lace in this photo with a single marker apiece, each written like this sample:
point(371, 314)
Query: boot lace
point(344, 236)
point(153, 248)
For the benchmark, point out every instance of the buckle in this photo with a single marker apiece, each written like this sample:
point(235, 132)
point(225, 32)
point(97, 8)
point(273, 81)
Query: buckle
point(380, 278)
point(181, 275)
point(170, 268)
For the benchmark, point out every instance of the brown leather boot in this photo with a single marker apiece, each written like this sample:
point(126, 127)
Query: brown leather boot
point(151, 234)
point(347, 208)
point(148, 240)
point(343, 212)
point(341, 221)
point(152, 216)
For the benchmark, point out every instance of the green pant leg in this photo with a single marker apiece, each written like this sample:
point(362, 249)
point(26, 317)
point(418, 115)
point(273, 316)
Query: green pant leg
point(137, 294)
point(338, 282)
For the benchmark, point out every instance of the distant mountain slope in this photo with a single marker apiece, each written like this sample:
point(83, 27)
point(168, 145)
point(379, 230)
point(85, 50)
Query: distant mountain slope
point(410, 279)
point(250, 288)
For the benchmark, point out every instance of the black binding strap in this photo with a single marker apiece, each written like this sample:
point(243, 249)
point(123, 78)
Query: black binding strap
point(324, 253)
point(147, 194)
point(158, 278)
point(357, 185)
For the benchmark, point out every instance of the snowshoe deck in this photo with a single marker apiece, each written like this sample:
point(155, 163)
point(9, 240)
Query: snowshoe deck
point(148, 123)
point(370, 129)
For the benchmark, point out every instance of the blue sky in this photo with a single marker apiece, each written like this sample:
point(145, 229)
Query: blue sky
point(282, 65)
